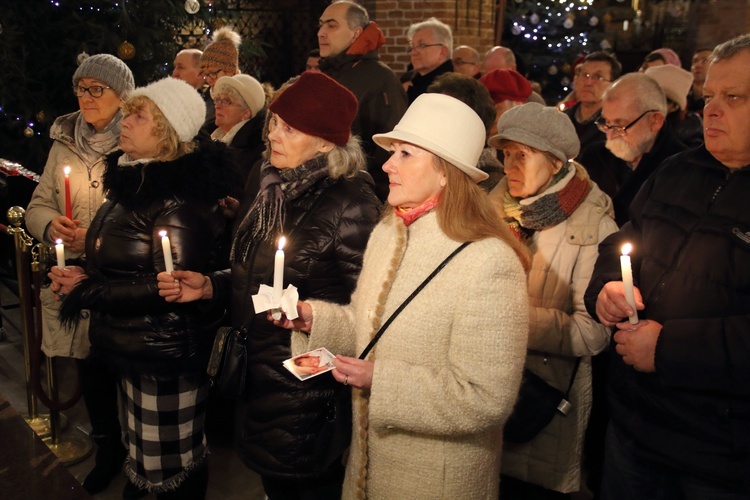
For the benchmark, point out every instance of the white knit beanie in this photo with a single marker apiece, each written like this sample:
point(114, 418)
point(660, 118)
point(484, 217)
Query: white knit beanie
point(179, 102)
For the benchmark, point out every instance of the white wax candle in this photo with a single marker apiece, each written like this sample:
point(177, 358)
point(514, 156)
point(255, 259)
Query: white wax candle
point(278, 273)
point(166, 249)
point(627, 280)
point(60, 251)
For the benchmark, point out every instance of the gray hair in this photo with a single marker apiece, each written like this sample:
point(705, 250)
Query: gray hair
point(643, 90)
point(232, 93)
point(346, 161)
point(356, 15)
point(508, 55)
point(442, 32)
point(730, 48)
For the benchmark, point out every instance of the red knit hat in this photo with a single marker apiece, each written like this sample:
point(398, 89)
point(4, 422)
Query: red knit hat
point(319, 106)
point(506, 85)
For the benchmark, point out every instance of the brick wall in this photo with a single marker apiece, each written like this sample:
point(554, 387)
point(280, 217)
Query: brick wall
point(719, 21)
point(476, 29)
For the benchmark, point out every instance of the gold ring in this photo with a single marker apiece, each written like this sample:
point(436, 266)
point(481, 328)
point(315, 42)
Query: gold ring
point(346, 380)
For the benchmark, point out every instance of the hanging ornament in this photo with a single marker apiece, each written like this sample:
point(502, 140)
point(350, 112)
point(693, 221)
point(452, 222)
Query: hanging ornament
point(28, 132)
point(40, 117)
point(605, 44)
point(126, 51)
point(568, 23)
point(534, 18)
point(593, 21)
point(552, 70)
point(565, 81)
point(81, 57)
point(192, 6)
point(515, 30)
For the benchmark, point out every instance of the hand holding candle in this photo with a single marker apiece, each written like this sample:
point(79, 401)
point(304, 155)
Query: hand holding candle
point(60, 252)
point(166, 248)
point(68, 202)
point(627, 280)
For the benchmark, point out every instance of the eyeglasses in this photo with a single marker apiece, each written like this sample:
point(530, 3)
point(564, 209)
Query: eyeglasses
point(461, 62)
point(224, 102)
point(616, 129)
point(595, 77)
point(422, 46)
point(94, 91)
point(210, 74)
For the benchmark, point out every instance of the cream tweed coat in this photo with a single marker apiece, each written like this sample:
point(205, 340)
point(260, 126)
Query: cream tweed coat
point(447, 370)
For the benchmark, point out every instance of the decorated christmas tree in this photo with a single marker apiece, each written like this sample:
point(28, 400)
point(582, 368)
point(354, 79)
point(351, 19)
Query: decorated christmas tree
point(547, 36)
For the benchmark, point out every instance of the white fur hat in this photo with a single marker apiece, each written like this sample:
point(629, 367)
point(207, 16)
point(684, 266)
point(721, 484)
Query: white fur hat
point(676, 82)
point(444, 126)
point(179, 102)
point(248, 87)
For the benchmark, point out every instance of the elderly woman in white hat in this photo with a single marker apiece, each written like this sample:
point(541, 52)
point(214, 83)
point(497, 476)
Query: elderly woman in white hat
point(430, 399)
point(562, 216)
point(162, 209)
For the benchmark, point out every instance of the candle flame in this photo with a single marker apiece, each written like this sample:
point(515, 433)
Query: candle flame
point(58, 241)
point(626, 248)
point(162, 233)
point(66, 170)
point(282, 242)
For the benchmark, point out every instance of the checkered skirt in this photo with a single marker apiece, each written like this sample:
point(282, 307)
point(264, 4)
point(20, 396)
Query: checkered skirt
point(166, 438)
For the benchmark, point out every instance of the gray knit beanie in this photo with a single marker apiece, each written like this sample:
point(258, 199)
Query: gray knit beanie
point(540, 127)
point(107, 69)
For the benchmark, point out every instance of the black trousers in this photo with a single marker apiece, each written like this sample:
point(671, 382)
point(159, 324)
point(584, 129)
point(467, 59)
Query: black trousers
point(99, 388)
point(325, 487)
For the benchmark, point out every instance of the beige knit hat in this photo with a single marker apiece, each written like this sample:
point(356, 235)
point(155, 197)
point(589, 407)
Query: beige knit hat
point(248, 87)
point(676, 82)
point(223, 52)
point(444, 126)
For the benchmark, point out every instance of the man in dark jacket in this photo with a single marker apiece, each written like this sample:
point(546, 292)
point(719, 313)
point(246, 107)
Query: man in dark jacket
point(430, 47)
point(632, 119)
point(349, 44)
point(678, 387)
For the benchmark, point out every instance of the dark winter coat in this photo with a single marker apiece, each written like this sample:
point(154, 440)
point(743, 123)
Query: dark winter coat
point(131, 326)
point(247, 148)
point(690, 230)
point(327, 230)
point(618, 180)
point(420, 83)
point(382, 103)
point(587, 131)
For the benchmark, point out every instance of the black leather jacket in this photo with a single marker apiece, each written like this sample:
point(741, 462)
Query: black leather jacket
point(327, 230)
point(131, 326)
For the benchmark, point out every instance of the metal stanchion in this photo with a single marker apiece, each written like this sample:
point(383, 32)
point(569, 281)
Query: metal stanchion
point(23, 243)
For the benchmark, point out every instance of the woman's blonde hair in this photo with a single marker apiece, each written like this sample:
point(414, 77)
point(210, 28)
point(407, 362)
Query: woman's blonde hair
point(466, 213)
point(169, 146)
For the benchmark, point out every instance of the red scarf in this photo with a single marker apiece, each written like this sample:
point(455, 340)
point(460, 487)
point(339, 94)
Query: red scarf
point(409, 215)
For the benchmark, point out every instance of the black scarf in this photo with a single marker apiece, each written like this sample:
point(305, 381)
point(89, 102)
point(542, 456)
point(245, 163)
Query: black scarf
point(265, 219)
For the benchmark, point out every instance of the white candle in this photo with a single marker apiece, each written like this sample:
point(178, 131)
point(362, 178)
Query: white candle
point(278, 273)
point(166, 249)
point(627, 280)
point(60, 251)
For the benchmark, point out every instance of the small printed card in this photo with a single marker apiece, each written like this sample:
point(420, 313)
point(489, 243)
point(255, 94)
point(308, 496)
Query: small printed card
point(310, 364)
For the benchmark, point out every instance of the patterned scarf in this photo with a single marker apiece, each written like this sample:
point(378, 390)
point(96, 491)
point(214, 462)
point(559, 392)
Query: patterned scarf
point(565, 193)
point(265, 219)
point(412, 214)
point(92, 145)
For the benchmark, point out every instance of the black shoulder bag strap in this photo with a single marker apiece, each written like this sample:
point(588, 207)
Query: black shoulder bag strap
point(409, 299)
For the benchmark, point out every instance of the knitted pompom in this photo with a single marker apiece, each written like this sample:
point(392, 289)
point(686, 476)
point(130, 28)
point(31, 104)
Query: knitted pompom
point(227, 33)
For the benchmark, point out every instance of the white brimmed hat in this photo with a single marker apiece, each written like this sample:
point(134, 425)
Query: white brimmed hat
point(248, 87)
point(444, 126)
point(180, 103)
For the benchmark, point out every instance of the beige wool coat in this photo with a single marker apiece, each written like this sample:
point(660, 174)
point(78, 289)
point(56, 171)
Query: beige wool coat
point(560, 330)
point(48, 202)
point(447, 370)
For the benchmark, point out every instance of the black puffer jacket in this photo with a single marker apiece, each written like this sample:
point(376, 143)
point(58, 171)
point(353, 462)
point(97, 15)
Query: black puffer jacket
point(131, 326)
point(279, 417)
point(690, 230)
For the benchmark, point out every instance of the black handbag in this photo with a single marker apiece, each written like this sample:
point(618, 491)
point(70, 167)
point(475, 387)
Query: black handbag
point(537, 404)
point(335, 437)
point(227, 366)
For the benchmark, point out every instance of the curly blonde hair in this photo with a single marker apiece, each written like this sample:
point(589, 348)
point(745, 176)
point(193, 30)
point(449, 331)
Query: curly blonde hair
point(169, 146)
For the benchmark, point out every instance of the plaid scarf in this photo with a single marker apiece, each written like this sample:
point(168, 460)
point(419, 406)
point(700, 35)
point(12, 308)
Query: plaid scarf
point(265, 219)
point(568, 189)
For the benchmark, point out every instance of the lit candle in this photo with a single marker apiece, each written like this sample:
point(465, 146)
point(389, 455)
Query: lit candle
point(60, 251)
point(166, 249)
point(627, 280)
point(278, 273)
point(68, 203)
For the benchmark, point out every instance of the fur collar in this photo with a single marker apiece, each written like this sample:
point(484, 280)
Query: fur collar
point(205, 174)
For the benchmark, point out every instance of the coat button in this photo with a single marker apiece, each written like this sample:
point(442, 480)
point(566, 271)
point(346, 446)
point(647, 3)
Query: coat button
point(98, 243)
point(94, 184)
point(85, 314)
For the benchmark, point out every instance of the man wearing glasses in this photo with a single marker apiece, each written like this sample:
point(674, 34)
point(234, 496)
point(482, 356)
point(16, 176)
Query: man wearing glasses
point(466, 61)
point(592, 78)
point(430, 47)
point(633, 140)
